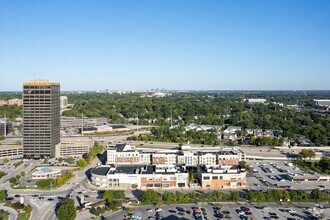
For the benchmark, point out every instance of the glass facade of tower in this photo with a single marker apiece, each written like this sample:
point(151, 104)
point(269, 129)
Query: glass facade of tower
point(41, 118)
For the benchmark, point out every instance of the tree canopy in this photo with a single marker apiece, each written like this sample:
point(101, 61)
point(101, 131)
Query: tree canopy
point(66, 210)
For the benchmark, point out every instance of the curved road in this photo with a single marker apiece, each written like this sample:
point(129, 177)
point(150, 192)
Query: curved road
point(13, 214)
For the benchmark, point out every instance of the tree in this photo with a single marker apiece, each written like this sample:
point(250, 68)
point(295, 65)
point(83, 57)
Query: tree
point(2, 174)
point(61, 180)
point(191, 176)
point(234, 196)
point(113, 195)
point(324, 164)
point(70, 160)
point(66, 210)
point(306, 153)
point(317, 195)
point(4, 215)
point(5, 160)
point(82, 163)
point(149, 196)
point(3, 195)
point(14, 179)
point(22, 173)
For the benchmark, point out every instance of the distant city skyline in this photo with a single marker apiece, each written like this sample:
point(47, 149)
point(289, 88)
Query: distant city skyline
point(177, 45)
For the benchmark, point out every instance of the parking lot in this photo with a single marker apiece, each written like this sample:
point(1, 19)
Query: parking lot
point(227, 211)
point(6, 167)
point(274, 174)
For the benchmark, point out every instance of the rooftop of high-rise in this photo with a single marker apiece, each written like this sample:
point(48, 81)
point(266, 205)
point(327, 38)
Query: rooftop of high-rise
point(40, 83)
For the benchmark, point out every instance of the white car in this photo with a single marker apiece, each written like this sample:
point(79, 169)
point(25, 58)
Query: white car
point(291, 211)
point(241, 213)
point(149, 210)
point(158, 210)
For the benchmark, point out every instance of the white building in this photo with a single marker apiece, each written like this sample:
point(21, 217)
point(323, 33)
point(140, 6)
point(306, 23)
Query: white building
point(124, 154)
point(322, 102)
point(46, 173)
point(164, 158)
point(188, 158)
point(76, 148)
point(140, 176)
point(223, 177)
point(145, 158)
point(208, 159)
point(64, 101)
point(254, 100)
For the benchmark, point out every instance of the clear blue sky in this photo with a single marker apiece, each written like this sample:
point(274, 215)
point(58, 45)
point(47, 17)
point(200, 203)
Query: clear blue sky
point(173, 44)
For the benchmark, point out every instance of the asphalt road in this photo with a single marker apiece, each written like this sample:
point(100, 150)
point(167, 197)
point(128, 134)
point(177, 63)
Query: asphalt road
point(13, 215)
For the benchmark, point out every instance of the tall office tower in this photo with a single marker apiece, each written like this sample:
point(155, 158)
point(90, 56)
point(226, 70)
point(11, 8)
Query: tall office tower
point(41, 118)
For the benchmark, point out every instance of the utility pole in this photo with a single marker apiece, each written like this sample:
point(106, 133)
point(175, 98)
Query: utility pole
point(137, 121)
point(171, 118)
point(5, 126)
point(82, 124)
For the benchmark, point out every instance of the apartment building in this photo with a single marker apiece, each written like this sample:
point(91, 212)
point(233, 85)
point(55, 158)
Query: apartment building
point(126, 154)
point(140, 176)
point(208, 159)
point(145, 158)
point(188, 158)
point(222, 177)
point(226, 158)
point(164, 158)
point(75, 148)
point(123, 154)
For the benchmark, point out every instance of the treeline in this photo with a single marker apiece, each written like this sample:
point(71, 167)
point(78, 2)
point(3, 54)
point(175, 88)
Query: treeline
point(266, 141)
point(287, 196)
point(165, 134)
point(321, 166)
point(150, 196)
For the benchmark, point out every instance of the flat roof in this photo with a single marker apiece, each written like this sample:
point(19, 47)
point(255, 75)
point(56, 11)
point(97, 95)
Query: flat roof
point(120, 147)
point(102, 171)
point(118, 126)
point(234, 167)
point(40, 83)
point(134, 169)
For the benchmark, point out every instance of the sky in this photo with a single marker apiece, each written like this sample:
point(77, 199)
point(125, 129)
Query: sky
point(172, 44)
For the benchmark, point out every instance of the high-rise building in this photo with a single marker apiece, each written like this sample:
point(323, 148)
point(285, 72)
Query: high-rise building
point(41, 118)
